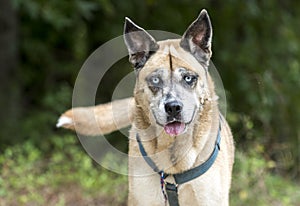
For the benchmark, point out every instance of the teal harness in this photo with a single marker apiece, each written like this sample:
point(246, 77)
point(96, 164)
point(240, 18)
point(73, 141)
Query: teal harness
point(181, 178)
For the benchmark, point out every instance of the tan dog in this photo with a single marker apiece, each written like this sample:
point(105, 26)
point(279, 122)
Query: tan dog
point(176, 123)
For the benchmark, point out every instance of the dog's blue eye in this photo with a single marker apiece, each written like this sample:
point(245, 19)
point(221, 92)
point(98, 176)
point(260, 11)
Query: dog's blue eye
point(155, 80)
point(155, 83)
point(188, 79)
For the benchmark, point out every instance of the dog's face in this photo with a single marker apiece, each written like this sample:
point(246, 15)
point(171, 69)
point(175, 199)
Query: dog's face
point(171, 75)
point(172, 87)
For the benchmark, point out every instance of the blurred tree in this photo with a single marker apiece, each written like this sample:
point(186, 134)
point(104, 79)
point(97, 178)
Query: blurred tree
point(257, 46)
point(9, 89)
point(256, 50)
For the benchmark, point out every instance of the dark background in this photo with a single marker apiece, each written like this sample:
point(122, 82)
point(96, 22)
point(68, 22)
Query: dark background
point(43, 44)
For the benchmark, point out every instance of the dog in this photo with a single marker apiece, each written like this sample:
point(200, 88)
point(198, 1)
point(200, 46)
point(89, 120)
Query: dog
point(181, 149)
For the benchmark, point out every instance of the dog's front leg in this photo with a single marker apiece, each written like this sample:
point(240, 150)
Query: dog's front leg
point(144, 183)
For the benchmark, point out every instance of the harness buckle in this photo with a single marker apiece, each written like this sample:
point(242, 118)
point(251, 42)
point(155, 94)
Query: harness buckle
point(172, 192)
point(171, 186)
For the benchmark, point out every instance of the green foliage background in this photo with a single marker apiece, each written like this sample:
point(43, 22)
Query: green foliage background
point(256, 49)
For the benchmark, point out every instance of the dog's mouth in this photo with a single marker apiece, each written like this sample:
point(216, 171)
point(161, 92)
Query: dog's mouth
point(174, 128)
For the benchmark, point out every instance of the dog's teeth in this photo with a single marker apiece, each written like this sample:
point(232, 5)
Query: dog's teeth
point(63, 121)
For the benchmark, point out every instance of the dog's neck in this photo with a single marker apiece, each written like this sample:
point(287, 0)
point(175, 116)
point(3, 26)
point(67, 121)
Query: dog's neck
point(180, 153)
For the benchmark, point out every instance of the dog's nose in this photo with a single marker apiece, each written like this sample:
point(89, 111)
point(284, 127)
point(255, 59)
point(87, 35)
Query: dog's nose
point(173, 108)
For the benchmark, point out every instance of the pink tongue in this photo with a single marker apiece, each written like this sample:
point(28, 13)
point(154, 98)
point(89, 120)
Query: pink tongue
point(174, 128)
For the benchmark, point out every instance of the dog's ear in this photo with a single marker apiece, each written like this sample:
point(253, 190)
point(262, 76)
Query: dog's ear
point(140, 44)
point(197, 38)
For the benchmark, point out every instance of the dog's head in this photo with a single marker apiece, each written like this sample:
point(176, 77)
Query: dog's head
point(171, 85)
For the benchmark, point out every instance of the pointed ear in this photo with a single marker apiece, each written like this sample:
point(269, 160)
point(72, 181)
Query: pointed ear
point(140, 44)
point(197, 38)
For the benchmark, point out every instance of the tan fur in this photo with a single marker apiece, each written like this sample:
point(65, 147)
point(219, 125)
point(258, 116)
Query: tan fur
point(173, 154)
point(210, 189)
point(193, 148)
point(100, 119)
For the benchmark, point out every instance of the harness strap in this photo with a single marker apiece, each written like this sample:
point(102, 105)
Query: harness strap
point(145, 156)
point(172, 194)
point(201, 169)
point(181, 178)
